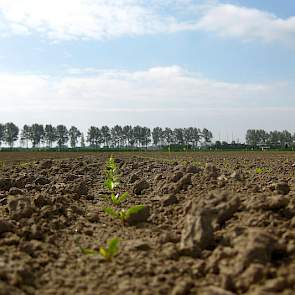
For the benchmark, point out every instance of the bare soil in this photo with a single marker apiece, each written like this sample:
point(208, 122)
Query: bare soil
point(215, 224)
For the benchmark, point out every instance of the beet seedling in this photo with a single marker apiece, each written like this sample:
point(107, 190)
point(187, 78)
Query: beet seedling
point(111, 250)
point(111, 184)
point(24, 164)
point(112, 181)
point(111, 169)
point(262, 170)
point(118, 199)
point(107, 253)
point(123, 214)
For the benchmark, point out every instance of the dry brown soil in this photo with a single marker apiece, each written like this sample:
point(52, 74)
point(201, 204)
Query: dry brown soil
point(214, 224)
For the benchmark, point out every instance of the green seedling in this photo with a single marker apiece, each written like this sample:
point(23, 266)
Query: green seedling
point(2, 164)
point(111, 250)
point(111, 167)
point(111, 164)
point(111, 181)
point(107, 253)
point(24, 164)
point(261, 170)
point(111, 184)
point(117, 199)
point(123, 214)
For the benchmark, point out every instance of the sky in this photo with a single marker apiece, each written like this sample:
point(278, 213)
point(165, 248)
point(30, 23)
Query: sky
point(224, 65)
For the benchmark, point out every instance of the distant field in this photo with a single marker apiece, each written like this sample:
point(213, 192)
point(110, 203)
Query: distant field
point(11, 157)
point(202, 156)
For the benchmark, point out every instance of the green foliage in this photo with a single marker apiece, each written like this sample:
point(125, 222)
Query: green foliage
point(107, 253)
point(111, 184)
point(112, 212)
point(118, 199)
point(123, 214)
point(36, 134)
point(111, 181)
point(74, 135)
point(10, 133)
point(2, 164)
point(111, 165)
point(111, 250)
point(262, 170)
point(49, 135)
point(62, 135)
point(24, 165)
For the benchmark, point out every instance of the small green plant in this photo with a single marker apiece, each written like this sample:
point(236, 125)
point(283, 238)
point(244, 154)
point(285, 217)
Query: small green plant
point(112, 179)
point(2, 164)
point(124, 214)
point(262, 170)
point(111, 250)
point(112, 182)
point(24, 164)
point(107, 253)
point(117, 199)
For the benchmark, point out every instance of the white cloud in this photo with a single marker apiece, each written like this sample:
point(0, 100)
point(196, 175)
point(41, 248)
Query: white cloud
point(88, 19)
point(248, 24)
point(105, 19)
point(166, 96)
point(156, 88)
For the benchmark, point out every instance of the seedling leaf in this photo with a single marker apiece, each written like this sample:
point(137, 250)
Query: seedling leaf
point(111, 212)
point(111, 184)
point(103, 252)
point(113, 246)
point(117, 199)
point(111, 250)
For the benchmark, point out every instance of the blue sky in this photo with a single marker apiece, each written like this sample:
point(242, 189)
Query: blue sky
point(225, 65)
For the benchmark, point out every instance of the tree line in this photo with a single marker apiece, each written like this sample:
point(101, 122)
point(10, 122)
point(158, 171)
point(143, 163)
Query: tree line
point(38, 135)
point(256, 137)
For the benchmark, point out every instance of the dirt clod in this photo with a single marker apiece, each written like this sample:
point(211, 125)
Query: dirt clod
point(282, 188)
point(6, 226)
point(139, 186)
point(19, 207)
point(197, 233)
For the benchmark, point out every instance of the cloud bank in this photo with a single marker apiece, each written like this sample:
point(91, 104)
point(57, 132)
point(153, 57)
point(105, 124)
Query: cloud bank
point(164, 96)
point(107, 19)
point(248, 24)
point(158, 88)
